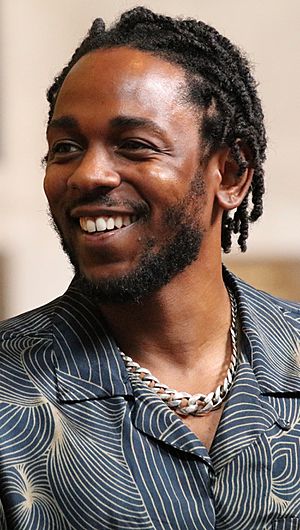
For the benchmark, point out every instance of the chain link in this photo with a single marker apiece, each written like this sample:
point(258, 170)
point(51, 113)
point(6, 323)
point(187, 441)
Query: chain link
point(184, 403)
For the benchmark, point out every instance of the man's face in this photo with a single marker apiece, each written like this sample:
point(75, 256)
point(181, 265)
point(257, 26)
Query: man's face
point(122, 178)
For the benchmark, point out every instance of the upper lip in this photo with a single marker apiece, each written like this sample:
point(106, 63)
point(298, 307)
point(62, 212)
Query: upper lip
point(94, 211)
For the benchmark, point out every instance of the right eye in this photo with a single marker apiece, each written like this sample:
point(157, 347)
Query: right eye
point(63, 150)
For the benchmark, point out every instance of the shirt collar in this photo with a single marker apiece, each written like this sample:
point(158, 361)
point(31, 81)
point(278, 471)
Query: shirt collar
point(270, 329)
point(86, 360)
point(87, 364)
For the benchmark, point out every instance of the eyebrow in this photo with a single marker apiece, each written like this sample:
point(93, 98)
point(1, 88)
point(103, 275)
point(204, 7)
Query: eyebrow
point(65, 122)
point(120, 122)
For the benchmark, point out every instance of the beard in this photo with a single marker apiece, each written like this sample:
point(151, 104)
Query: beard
point(156, 267)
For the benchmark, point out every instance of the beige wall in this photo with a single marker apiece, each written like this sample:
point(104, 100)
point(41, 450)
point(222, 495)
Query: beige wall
point(37, 38)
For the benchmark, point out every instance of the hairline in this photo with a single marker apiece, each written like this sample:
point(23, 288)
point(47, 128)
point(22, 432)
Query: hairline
point(169, 57)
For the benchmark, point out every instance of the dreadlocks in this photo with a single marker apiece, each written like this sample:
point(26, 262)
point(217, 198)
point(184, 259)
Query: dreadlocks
point(219, 82)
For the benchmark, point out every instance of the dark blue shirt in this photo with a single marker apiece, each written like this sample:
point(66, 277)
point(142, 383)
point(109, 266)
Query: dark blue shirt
point(84, 445)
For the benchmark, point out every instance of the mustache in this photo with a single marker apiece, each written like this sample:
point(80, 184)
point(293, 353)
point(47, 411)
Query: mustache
point(140, 208)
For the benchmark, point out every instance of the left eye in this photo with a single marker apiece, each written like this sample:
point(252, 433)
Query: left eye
point(137, 150)
point(135, 145)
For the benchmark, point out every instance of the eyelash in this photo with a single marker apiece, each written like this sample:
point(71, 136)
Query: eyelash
point(55, 151)
point(63, 149)
point(56, 147)
point(137, 145)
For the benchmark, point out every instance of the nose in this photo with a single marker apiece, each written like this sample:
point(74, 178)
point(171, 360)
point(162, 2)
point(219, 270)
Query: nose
point(95, 170)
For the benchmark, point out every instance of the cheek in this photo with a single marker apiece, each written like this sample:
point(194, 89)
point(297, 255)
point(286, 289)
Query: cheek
point(165, 184)
point(54, 187)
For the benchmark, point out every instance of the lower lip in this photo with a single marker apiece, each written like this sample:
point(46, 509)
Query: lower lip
point(97, 238)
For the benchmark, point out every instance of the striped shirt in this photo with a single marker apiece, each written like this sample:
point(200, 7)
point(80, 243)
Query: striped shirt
point(84, 445)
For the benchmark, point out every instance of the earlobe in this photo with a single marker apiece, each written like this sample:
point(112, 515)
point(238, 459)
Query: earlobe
point(233, 187)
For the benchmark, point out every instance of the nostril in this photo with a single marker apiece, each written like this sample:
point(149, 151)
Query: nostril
point(87, 182)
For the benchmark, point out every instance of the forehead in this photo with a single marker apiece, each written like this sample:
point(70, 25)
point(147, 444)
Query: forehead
point(125, 77)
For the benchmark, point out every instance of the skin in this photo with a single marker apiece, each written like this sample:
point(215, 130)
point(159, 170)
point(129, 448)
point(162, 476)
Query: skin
point(180, 332)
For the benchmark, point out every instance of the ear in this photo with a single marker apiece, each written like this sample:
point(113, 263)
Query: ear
point(233, 187)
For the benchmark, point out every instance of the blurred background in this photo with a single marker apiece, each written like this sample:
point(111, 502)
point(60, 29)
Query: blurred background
point(37, 38)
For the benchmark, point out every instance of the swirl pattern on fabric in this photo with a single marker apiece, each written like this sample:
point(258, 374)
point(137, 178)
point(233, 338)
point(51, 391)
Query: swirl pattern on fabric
point(83, 445)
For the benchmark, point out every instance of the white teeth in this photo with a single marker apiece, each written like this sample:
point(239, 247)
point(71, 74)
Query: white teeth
point(100, 224)
point(82, 222)
point(118, 221)
point(110, 224)
point(90, 226)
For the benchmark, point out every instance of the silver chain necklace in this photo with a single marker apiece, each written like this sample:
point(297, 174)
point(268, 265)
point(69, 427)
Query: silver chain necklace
point(184, 403)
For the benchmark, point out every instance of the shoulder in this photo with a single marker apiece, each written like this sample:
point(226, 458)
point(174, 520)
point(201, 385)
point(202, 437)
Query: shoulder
point(268, 305)
point(19, 337)
point(270, 331)
point(22, 333)
point(32, 322)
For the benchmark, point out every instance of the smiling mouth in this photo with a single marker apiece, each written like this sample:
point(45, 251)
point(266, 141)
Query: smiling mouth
point(105, 223)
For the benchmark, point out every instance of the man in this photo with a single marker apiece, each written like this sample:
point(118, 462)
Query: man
point(156, 145)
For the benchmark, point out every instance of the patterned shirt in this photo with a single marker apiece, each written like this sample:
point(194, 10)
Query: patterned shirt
point(84, 445)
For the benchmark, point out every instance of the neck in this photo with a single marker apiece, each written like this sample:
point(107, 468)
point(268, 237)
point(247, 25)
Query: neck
point(185, 323)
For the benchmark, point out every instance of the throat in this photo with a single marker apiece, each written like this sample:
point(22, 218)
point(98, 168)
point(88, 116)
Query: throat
point(205, 427)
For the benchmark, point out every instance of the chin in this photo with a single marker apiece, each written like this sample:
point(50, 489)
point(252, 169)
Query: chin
point(98, 274)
